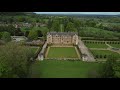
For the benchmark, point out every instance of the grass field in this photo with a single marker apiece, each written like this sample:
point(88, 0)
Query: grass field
point(115, 45)
point(62, 69)
point(93, 45)
point(105, 52)
point(62, 52)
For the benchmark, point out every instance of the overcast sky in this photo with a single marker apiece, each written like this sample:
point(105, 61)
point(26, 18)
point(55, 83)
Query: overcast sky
point(103, 13)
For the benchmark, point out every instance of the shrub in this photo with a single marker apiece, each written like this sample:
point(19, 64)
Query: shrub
point(101, 56)
point(6, 37)
point(105, 56)
point(96, 56)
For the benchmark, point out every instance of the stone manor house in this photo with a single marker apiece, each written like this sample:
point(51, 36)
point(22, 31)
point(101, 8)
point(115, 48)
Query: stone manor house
point(62, 38)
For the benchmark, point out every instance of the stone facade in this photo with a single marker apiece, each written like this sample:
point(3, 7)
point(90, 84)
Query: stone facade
point(62, 38)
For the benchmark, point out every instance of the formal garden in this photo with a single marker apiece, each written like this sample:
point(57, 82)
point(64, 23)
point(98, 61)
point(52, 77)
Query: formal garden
point(102, 49)
point(104, 54)
point(95, 44)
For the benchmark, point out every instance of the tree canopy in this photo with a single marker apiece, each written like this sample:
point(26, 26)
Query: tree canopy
point(14, 61)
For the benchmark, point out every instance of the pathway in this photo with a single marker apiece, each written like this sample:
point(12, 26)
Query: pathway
point(84, 50)
point(110, 48)
point(41, 54)
point(108, 45)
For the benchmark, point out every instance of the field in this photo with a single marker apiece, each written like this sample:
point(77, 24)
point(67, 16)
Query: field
point(94, 45)
point(62, 52)
point(62, 69)
point(104, 53)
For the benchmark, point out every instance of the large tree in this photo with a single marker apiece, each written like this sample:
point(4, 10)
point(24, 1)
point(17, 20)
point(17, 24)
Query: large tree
point(33, 34)
point(14, 61)
point(55, 26)
point(70, 27)
point(107, 70)
point(49, 24)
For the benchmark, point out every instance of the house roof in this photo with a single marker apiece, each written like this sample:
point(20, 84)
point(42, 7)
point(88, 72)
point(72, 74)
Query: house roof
point(63, 33)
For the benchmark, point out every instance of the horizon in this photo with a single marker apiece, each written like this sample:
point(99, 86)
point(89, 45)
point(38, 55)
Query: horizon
point(92, 13)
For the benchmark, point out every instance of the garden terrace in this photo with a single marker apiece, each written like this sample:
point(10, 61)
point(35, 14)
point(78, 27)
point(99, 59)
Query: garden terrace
point(103, 54)
point(95, 44)
point(115, 45)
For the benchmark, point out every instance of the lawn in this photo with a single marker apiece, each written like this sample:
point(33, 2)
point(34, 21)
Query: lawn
point(62, 52)
point(94, 45)
point(105, 52)
point(115, 45)
point(32, 49)
point(62, 69)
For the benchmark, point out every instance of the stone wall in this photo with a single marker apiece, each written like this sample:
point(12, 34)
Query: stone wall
point(42, 52)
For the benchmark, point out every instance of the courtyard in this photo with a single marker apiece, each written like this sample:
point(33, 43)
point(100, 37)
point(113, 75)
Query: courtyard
point(62, 52)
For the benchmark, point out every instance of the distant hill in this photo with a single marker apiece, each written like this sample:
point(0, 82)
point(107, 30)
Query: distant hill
point(82, 15)
point(16, 13)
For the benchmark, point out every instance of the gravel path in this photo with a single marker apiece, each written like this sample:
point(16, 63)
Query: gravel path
point(84, 50)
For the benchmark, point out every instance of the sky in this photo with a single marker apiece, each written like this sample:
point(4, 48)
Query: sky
point(101, 13)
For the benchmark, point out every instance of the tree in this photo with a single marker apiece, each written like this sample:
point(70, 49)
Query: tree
point(18, 32)
point(77, 24)
point(1, 33)
point(33, 34)
point(55, 26)
point(44, 32)
point(107, 70)
point(26, 33)
point(14, 61)
point(39, 33)
point(117, 70)
point(6, 37)
point(49, 24)
point(70, 27)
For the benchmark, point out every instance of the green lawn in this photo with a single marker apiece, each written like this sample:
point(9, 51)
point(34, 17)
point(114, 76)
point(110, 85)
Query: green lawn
point(32, 49)
point(62, 52)
point(62, 69)
point(94, 45)
point(115, 45)
point(105, 52)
